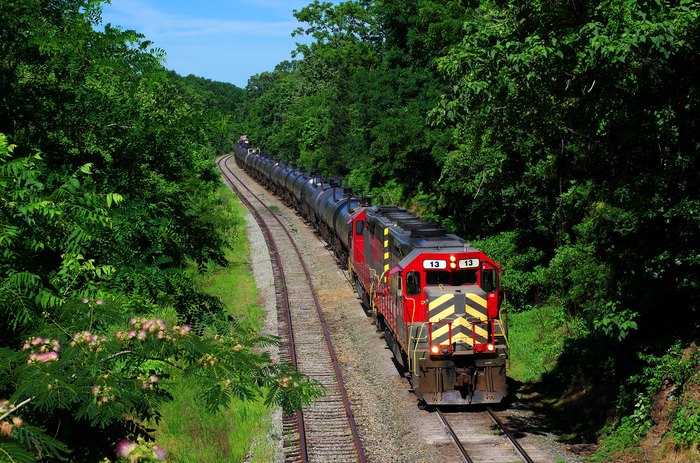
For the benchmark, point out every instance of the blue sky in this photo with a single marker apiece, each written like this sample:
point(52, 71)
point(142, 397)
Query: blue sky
point(226, 41)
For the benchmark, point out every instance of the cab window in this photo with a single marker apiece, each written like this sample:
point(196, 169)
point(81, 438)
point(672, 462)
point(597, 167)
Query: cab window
point(434, 278)
point(359, 227)
point(489, 280)
point(454, 278)
point(412, 283)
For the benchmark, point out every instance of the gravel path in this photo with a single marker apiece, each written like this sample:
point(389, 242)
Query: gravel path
point(264, 279)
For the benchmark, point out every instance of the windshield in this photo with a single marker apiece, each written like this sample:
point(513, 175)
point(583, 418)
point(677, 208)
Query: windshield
point(454, 278)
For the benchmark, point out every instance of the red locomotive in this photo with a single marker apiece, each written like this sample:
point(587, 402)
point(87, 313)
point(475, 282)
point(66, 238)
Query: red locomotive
point(437, 298)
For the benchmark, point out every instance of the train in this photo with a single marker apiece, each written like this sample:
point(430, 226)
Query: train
point(437, 299)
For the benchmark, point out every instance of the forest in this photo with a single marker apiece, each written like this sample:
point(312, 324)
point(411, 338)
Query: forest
point(108, 200)
point(559, 137)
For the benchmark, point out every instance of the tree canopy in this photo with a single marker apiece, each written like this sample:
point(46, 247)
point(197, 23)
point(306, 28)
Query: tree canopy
point(108, 196)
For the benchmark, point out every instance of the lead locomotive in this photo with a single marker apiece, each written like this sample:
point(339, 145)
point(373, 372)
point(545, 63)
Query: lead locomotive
point(437, 298)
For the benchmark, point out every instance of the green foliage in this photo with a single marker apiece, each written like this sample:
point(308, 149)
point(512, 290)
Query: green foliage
point(188, 432)
point(686, 427)
point(108, 192)
point(614, 322)
point(674, 369)
point(524, 279)
point(536, 339)
point(20, 442)
point(14, 453)
point(626, 436)
point(48, 222)
point(116, 373)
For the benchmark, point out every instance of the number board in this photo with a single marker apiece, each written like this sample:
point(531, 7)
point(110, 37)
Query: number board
point(469, 263)
point(434, 264)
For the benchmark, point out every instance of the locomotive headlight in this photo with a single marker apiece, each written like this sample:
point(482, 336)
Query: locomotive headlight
point(453, 265)
point(453, 259)
point(490, 347)
point(434, 349)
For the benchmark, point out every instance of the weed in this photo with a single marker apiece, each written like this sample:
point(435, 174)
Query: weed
point(186, 430)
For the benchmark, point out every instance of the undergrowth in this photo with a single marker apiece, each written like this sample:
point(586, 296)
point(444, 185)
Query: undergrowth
point(536, 339)
point(186, 430)
point(660, 404)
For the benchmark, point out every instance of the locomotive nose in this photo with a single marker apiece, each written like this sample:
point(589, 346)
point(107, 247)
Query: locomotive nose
point(457, 317)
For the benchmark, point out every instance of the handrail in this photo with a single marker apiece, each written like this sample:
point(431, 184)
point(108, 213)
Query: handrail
point(413, 318)
point(379, 281)
point(371, 291)
point(503, 331)
point(415, 350)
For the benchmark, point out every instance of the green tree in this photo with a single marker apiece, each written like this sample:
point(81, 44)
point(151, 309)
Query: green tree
point(108, 194)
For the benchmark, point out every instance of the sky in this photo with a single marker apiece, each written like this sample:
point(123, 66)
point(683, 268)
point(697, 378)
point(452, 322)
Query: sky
point(221, 40)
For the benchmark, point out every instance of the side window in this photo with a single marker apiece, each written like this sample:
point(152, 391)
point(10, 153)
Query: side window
point(489, 280)
point(412, 283)
point(359, 227)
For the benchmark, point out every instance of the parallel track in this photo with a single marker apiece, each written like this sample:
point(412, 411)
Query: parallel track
point(325, 431)
point(485, 451)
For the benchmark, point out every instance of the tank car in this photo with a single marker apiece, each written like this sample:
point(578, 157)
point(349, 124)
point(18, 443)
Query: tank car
point(437, 299)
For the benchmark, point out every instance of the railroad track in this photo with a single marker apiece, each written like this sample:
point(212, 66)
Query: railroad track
point(325, 431)
point(497, 445)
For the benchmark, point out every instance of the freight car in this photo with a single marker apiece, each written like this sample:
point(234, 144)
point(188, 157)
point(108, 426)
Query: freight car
point(436, 298)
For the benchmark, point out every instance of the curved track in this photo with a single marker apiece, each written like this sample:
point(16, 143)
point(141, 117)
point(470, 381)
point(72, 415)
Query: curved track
point(325, 431)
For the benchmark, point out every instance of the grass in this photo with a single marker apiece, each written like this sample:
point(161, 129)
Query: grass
point(192, 435)
point(239, 432)
point(536, 339)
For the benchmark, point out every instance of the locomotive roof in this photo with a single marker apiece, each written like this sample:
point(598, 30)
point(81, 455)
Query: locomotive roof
point(411, 231)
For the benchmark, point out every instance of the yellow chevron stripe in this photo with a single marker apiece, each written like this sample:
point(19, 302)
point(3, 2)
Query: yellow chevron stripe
point(386, 231)
point(461, 337)
point(442, 315)
point(444, 329)
point(386, 255)
point(478, 329)
point(444, 338)
point(476, 298)
point(475, 313)
point(439, 301)
point(441, 331)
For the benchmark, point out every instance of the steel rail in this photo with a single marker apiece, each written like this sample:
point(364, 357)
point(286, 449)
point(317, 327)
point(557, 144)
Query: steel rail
point(275, 255)
point(455, 439)
point(329, 344)
point(510, 437)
